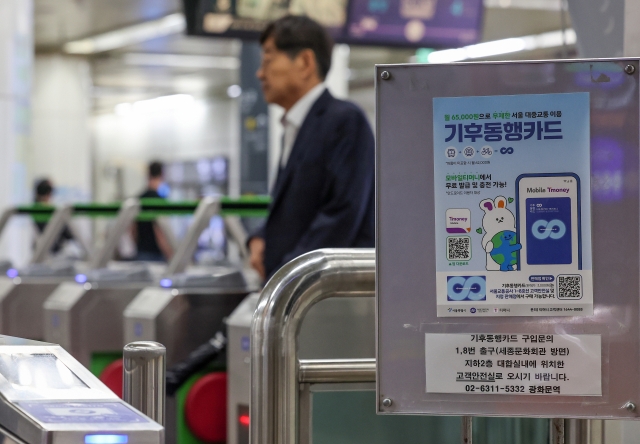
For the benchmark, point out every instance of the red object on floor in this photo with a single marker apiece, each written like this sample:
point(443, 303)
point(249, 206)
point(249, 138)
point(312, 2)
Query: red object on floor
point(206, 408)
point(111, 376)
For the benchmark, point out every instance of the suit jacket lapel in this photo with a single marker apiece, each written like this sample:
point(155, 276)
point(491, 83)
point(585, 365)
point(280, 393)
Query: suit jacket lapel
point(302, 140)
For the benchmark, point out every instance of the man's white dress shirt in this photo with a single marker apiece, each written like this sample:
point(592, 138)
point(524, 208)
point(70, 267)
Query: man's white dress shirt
point(293, 119)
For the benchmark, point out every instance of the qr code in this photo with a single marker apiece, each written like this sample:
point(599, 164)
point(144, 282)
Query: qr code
point(569, 286)
point(458, 248)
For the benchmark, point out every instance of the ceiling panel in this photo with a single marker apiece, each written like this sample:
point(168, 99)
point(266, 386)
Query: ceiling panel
point(115, 80)
point(58, 21)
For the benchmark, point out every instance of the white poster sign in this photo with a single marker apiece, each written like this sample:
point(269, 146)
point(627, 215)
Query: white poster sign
point(512, 205)
point(514, 364)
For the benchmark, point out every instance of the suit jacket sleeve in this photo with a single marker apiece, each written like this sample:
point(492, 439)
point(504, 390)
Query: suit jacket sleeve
point(350, 169)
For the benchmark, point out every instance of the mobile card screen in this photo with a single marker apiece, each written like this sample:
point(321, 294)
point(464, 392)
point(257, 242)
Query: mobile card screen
point(549, 234)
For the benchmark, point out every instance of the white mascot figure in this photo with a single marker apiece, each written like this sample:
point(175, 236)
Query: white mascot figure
point(496, 219)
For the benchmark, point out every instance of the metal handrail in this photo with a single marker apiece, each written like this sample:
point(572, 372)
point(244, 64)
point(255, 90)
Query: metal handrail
point(275, 368)
point(285, 300)
point(327, 371)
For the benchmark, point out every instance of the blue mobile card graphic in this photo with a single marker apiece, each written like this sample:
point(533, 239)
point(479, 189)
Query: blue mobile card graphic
point(548, 224)
point(466, 288)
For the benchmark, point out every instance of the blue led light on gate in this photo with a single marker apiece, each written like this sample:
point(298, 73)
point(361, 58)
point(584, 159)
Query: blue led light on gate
point(12, 273)
point(81, 278)
point(106, 439)
point(166, 283)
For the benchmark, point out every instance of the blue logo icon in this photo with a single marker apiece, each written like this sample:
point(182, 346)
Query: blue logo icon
point(553, 229)
point(245, 343)
point(472, 310)
point(466, 288)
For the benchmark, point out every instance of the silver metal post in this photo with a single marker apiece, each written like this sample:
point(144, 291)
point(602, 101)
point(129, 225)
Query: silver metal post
point(126, 216)
point(207, 208)
point(285, 300)
point(467, 430)
point(596, 431)
point(576, 431)
point(144, 378)
point(556, 431)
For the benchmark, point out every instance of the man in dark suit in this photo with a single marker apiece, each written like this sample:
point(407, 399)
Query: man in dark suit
point(323, 196)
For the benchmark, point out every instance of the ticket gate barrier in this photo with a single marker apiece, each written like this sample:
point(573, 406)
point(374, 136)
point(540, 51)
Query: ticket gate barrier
point(184, 312)
point(87, 317)
point(296, 399)
point(49, 397)
point(23, 292)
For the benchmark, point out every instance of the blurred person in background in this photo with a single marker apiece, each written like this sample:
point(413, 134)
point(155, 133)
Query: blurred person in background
point(323, 196)
point(43, 192)
point(151, 242)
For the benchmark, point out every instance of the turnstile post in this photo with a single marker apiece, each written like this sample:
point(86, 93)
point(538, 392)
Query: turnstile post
point(467, 430)
point(576, 431)
point(144, 378)
point(556, 431)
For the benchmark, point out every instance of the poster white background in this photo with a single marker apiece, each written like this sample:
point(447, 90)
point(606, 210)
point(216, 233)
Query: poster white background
point(513, 364)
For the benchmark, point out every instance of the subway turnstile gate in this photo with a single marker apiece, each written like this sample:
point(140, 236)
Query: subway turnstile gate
point(49, 398)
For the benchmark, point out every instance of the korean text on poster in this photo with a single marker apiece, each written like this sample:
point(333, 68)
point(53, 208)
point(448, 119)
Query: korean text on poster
point(514, 364)
point(512, 205)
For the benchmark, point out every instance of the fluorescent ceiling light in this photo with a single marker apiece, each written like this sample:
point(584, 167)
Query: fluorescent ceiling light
point(175, 102)
point(498, 47)
point(170, 24)
point(181, 61)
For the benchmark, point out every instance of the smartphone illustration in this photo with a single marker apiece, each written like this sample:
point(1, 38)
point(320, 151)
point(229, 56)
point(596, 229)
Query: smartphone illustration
point(548, 221)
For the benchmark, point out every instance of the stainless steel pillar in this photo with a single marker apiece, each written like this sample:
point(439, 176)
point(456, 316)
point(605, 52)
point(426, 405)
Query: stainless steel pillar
point(576, 431)
point(556, 431)
point(467, 430)
point(144, 381)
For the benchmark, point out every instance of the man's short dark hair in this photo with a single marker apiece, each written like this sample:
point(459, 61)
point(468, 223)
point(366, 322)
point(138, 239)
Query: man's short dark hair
point(43, 189)
point(295, 33)
point(155, 170)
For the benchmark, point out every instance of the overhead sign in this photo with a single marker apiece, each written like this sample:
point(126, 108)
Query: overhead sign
point(512, 205)
point(415, 22)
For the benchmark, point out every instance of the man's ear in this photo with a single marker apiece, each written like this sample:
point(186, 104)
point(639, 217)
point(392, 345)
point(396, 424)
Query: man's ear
point(307, 63)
